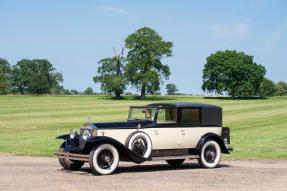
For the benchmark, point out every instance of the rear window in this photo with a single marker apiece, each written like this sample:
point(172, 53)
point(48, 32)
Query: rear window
point(190, 115)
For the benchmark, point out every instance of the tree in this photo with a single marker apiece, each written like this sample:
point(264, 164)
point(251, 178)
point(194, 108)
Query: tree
point(233, 72)
point(57, 78)
point(59, 90)
point(5, 71)
point(34, 76)
point(111, 75)
point(89, 91)
point(38, 84)
point(74, 92)
point(171, 89)
point(67, 92)
point(144, 68)
point(281, 89)
point(267, 88)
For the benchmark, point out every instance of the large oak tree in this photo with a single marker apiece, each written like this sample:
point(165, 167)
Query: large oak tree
point(233, 72)
point(144, 68)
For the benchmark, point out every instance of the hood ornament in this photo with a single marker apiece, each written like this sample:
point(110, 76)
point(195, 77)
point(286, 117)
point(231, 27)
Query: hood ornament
point(89, 118)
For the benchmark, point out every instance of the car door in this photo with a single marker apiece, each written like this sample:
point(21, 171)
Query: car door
point(167, 133)
point(190, 119)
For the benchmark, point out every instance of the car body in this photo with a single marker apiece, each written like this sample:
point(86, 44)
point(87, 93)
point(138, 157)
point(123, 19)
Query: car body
point(159, 131)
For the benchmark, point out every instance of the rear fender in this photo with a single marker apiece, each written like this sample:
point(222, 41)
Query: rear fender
point(212, 136)
point(123, 150)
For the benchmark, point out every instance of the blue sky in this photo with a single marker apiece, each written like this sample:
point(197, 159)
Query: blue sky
point(74, 35)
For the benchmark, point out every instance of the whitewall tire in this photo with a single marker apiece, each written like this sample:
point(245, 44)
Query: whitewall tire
point(210, 154)
point(140, 143)
point(104, 159)
point(69, 164)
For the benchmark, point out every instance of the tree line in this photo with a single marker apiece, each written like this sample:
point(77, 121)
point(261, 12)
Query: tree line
point(36, 76)
point(225, 72)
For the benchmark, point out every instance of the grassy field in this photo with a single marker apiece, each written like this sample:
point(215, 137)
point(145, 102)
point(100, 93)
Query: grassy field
point(29, 124)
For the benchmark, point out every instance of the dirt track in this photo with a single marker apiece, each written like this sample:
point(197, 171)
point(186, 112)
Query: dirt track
point(41, 173)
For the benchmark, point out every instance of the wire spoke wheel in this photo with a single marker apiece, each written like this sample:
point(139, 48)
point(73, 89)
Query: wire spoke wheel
point(210, 154)
point(139, 146)
point(105, 159)
point(139, 143)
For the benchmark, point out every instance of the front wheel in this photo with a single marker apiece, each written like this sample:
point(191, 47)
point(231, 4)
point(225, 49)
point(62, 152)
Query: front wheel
point(69, 164)
point(104, 159)
point(210, 154)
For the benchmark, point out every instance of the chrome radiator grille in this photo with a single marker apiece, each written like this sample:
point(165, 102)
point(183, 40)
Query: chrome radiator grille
point(81, 140)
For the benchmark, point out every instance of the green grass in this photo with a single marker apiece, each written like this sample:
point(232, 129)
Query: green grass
point(29, 124)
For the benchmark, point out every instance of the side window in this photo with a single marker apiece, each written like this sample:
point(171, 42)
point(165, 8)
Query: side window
point(190, 115)
point(168, 115)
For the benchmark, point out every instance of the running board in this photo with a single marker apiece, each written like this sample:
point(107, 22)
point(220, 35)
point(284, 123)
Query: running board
point(175, 157)
point(72, 156)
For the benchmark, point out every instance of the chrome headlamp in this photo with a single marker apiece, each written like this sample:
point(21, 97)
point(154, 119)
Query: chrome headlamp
point(86, 134)
point(73, 133)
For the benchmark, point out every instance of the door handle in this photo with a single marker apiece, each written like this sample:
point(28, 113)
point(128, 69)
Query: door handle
point(183, 132)
point(156, 132)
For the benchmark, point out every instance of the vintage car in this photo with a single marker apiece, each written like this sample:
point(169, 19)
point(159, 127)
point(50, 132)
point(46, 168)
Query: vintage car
point(160, 131)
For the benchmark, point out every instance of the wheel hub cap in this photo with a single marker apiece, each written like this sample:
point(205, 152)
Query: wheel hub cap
point(107, 159)
point(210, 154)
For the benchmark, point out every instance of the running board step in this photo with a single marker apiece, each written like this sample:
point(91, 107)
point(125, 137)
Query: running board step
point(176, 157)
point(72, 156)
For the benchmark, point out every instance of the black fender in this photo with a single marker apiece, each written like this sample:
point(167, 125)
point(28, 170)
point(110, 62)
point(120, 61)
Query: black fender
point(123, 150)
point(65, 136)
point(71, 145)
point(212, 136)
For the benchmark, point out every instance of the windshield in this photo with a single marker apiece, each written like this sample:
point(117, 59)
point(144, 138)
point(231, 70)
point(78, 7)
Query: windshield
point(142, 113)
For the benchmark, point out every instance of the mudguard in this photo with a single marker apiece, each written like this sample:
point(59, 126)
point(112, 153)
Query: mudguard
point(65, 136)
point(123, 150)
point(214, 137)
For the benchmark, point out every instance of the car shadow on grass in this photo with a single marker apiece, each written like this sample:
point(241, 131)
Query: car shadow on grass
point(144, 168)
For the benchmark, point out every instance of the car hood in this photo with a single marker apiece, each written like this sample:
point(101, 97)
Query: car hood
point(123, 125)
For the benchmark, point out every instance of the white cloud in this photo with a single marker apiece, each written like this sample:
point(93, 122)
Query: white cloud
point(235, 31)
point(117, 10)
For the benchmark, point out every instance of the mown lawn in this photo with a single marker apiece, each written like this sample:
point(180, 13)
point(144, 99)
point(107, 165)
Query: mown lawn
point(29, 124)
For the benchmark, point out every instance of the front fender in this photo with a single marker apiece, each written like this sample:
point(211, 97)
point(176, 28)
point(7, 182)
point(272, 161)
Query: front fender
point(65, 136)
point(212, 136)
point(123, 150)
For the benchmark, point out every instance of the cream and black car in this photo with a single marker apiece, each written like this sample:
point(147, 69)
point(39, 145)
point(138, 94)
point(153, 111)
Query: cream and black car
point(160, 131)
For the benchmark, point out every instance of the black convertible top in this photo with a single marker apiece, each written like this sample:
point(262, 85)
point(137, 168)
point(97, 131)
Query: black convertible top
point(183, 105)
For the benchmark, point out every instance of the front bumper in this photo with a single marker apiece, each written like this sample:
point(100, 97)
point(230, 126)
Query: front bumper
point(72, 156)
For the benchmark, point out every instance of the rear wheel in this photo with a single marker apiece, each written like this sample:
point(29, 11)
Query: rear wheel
point(210, 154)
point(69, 164)
point(104, 159)
point(176, 162)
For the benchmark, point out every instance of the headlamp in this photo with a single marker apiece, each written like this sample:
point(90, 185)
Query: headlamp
point(73, 133)
point(86, 134)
